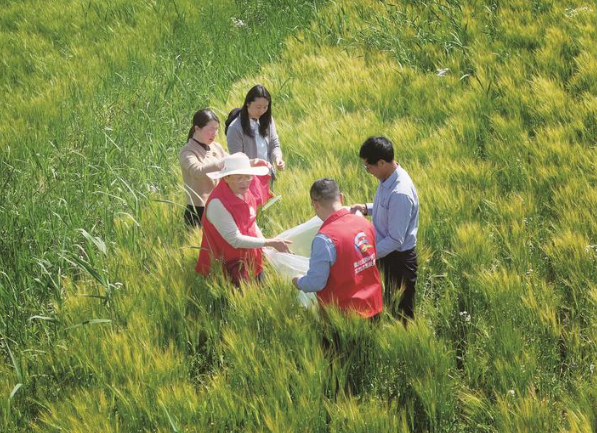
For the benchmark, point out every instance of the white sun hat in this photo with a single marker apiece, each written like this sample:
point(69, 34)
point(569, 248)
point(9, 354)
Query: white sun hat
point(238, 163)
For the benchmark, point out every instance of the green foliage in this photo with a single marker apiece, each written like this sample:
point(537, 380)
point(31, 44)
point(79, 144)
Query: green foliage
point(492, 109)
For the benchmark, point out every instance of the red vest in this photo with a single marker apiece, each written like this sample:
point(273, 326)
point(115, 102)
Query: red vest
point(354, 282)
point(244, 213)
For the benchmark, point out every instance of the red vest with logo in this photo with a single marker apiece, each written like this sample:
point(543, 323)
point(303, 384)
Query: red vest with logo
point(353, 283)
point(244, 213)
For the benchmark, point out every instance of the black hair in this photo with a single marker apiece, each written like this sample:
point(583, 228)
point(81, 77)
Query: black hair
point(324, 190)
point(202, 118)
point(376, 148)
point(257, 91)
point(231, 116)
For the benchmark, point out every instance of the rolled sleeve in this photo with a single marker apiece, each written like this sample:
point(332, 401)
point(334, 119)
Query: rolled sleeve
point(399, 214)
point(323, 256)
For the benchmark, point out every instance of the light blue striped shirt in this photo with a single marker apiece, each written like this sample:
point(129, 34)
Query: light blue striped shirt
point(395, 214)
point(323, 256)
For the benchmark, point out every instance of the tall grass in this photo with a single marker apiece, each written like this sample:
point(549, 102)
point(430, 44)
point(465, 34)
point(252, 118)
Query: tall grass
point(96, 100)
point(492, 110)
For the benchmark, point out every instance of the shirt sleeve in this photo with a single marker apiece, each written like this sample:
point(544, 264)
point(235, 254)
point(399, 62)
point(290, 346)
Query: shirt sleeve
point(196, 167)
point(399, 213)
point(323, 256)
point(274, 142)
point(222, 220)
point(369, 207)
point(234, 137)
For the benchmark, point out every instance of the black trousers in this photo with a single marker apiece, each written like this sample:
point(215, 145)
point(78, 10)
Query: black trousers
point(193, 215)
point(399, 269)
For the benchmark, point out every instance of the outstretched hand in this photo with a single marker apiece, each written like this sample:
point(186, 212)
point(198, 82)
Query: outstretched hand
point(280, 245)
point(362, 208)
point(260, 163)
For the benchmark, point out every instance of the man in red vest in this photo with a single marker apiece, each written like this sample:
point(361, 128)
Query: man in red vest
point(342, 267)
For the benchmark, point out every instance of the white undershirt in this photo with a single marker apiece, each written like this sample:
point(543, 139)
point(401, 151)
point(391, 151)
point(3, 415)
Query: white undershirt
point(222, 220)
point(259, 141)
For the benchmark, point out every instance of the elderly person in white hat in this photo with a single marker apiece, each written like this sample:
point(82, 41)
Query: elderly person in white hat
point(230, 234)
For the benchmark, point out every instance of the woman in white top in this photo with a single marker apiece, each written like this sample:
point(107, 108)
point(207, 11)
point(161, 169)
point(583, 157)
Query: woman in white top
point(230, 233)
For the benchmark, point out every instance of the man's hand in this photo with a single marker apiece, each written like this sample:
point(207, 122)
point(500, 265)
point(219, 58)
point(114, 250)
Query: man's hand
point(279, 244)
point(362, 208)
point(295, 281)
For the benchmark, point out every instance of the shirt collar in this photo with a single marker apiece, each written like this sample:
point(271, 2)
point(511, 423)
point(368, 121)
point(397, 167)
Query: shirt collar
point(392, 180)
point(333, 217)
point(203, 145)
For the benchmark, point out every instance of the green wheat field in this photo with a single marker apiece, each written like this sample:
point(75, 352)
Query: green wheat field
point(104, 325)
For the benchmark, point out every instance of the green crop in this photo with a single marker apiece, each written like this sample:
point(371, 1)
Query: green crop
point(492, 107)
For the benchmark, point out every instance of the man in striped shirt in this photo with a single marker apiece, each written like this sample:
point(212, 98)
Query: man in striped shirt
point(395, 216)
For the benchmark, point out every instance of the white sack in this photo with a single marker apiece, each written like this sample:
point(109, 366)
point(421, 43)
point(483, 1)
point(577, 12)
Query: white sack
point(291, 265)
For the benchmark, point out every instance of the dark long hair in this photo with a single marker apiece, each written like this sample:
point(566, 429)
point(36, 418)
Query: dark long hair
point(231, 116)
point(202, 118)
point(257, 91)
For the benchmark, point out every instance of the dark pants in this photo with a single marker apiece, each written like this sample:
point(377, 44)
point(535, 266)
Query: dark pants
point(193, 215)
point(399, 269)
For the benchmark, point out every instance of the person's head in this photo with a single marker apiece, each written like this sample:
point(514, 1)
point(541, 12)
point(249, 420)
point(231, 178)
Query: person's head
point(258, 106)
point(238, 173)
point(377, 154)
point(205, 126)
point(326, 197)
point(239, 183)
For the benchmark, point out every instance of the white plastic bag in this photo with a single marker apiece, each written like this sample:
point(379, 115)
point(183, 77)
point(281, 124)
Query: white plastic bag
point(291, 265)
point(302, 236)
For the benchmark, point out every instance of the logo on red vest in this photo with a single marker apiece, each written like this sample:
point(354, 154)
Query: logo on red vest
point(366, 250)
point(362, 244)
